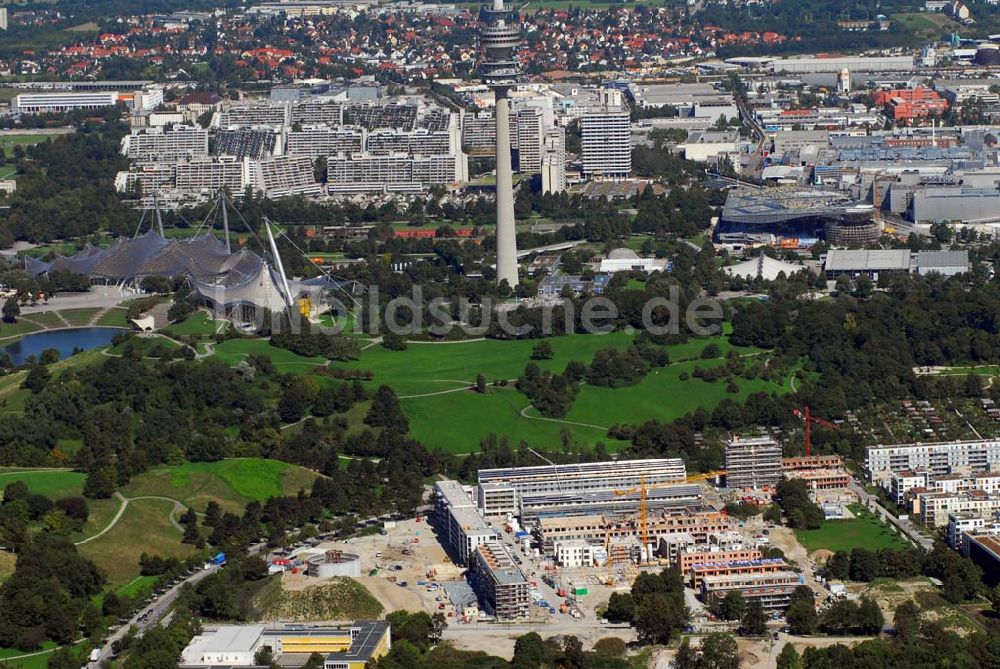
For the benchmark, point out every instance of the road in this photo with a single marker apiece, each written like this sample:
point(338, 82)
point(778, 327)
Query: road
point(150, 615)
point(904, 524)
point(755, 162)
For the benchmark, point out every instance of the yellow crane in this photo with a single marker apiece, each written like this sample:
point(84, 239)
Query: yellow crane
point(643, 489)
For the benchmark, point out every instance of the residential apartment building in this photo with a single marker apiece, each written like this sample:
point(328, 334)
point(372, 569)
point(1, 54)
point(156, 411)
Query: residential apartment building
point(699, 522)
point(394, 173)
point(935, 506)
point(773, 590)
point(417, 142)
point(938, 458)
point(464, 528)
point(606, 144)
point(554, 160)
point(699, 571)
point(316, 141)
point(246, 143)
point(530, 134)
point(209, 176)
point(255, 115)
point(753, 463)
point(502, 589)
point(587, 476)
point(318, 112)
point(576, 553)
point(164, 144)
point(283, 176)
point(709, 553)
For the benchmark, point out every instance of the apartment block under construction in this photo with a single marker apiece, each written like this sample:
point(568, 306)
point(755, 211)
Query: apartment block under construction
point(753, 463)
point(697, 521)
point(502, 589)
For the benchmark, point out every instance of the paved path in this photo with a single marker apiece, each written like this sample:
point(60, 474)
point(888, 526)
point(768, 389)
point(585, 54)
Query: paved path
point(178, 507)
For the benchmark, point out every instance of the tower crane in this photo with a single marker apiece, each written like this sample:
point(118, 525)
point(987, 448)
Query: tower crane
point(807, 417)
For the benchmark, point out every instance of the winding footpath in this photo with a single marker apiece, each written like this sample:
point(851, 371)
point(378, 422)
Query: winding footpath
point(178, 507)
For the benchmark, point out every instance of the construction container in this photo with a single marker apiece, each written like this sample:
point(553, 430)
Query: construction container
point(579, 590)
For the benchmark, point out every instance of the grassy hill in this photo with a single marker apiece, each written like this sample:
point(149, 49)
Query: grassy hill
point(232, 483)
point(338, 599)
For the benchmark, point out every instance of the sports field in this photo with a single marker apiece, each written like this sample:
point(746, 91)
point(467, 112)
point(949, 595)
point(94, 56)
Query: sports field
point(8, 142)
point(862, 531)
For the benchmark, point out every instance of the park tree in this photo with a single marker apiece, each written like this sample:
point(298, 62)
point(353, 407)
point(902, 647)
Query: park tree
point(802, 618)
point(789, 658)
point(530, 652)
point(11, 309)
point(386, 412)
point(870, 618)
point(754, 620)
point(37, 379)
point(732, 606)
point(542, 351)
point(719, 651)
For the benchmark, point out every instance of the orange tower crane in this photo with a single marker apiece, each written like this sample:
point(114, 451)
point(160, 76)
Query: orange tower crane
point(809, 419)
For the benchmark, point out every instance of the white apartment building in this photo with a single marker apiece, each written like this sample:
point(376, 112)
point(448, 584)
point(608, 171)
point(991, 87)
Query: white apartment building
point(530, 133)
point(162, 144)
point(959, 524)
point(209, 175)
point(464, 528)
point(41, 103)
point(939, 458)
point(554, 160)
point(935, 506)
point(417, 142)
point(318, 112)
point(315, 141)
point(575, 553)
point(903, 482)
point(282, 176)
point(363, 172)
point(254, 115)
point(606, 144)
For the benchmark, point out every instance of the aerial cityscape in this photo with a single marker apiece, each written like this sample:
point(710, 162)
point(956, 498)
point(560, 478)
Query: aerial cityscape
point(560, 334)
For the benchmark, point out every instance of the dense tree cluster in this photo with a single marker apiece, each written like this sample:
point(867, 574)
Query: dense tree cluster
point(655, 606)
point(792, 495)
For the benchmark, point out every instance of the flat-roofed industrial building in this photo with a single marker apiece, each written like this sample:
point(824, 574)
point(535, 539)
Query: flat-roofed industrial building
point(588, 477)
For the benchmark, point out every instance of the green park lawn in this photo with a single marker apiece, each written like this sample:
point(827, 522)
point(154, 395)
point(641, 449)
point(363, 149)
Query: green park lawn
point(232, 483)
point(8, 142)
point(662, 395)
point(198, 324)
point(429, 368)
point(114, 317)
point(430, 381)
point(52, 483)
point(458, 421)
point(145, 527)
point(144, 346)
point(232, 351)
point(862, 531)
point(79, 317)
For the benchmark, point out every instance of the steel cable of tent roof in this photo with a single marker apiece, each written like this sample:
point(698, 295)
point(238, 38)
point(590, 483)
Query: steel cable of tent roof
point(337, 280)
point(211, 214)
point(142, 218)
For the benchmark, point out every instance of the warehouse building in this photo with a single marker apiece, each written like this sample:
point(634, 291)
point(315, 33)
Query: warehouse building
point(43, 103)
point(505, 487)
point(464, 529)
point(502, 589)
point(343, 647)
point(753, 463)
